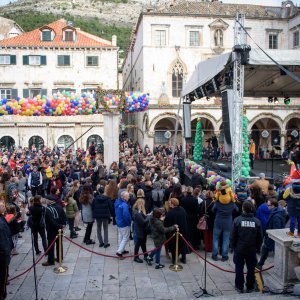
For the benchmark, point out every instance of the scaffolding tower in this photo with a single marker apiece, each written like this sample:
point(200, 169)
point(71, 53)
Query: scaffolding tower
point(238, 93)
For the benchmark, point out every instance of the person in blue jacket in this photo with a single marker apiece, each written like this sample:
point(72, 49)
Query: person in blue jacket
point(123, 220)
point(276, 220)
point(263, 213)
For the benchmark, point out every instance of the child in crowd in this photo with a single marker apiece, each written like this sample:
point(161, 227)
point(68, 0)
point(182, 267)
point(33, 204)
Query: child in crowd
point(224, 193)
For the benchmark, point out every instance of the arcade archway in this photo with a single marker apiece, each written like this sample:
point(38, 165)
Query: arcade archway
point(293, 130)
point(65, 141)
point(207, 129)
point(97, 140)
point(164, 125)
point(37, 142)
point(7, 142)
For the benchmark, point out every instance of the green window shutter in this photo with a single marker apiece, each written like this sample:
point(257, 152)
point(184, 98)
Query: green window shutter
point(60, 60)
point(25, 60)
point(44, 92)
point(25, 93)
point(13, 60)
point(67, 60)
point(43, 60)
point(14, 93)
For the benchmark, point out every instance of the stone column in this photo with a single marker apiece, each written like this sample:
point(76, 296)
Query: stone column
point(111, 137)
point(282, 140)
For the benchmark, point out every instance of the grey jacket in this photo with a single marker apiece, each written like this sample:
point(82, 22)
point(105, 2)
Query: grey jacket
point(86, 212)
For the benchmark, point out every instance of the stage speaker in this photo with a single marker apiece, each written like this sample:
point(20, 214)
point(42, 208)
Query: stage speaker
point(226, 113)
point(187, 120)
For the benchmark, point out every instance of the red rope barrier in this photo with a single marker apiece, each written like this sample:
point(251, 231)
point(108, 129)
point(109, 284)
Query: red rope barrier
point(114, 256)
point(47, 250)
point(213, 265)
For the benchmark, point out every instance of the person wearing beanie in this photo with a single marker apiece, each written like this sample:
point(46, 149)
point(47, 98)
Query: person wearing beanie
point(224, 194)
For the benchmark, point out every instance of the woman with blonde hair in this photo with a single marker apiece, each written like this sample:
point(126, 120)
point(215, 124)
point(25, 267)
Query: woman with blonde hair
point(141, 220)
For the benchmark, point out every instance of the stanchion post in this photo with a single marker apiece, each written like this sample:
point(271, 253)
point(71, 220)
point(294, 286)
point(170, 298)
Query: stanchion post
point(60, 268)
point(176, 267)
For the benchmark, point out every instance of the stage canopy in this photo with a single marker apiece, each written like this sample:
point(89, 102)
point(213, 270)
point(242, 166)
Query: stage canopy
point(263, 78)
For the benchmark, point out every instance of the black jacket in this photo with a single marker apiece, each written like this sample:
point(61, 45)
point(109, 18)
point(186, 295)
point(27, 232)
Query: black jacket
point(6, 244)
point(36, 214)
point(55, 218)
point(140, 224)
point(102, 207)
point(246, 233)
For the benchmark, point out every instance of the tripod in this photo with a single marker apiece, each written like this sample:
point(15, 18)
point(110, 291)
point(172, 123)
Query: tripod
point(203, 291)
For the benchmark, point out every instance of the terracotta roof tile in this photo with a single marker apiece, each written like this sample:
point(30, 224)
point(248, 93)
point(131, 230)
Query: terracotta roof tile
point(33, 38)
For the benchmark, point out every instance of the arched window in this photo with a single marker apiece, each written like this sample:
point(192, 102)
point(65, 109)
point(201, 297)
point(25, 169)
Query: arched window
point(177, 79)
point(98, 142)
point(65, 141)
point(37, 142)
point(7, 142)
point(218, 37)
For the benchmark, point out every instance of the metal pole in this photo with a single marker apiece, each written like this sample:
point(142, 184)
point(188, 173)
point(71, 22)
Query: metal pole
point(34, 269)
point(60, 268)
point(176, 129)
point(79, 138)
point(176, 267)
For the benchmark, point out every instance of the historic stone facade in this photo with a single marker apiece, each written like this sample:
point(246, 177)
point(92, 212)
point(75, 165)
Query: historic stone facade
point(169, 42)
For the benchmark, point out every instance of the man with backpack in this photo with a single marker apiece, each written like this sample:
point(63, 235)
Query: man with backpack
point(55, 219)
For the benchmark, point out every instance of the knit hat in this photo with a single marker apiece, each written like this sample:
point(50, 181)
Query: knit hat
point(262, 175)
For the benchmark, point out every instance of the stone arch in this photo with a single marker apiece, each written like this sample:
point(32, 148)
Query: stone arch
point(173, 64)
point(288, 118)
point(275, 118)
point(207, 116)
point(98, 141)
point(67, 137)
point(37, 141)
point(8, 140)
point(177, 73)
point(35, 134)
point(163, 116)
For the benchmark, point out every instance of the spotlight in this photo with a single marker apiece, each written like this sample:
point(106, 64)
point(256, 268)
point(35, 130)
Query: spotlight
point(207, 98)
point(270, 99)
point(287, 100)
point(276, 101)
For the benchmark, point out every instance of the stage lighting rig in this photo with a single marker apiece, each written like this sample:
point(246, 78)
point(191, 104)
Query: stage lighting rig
point(244, 51)
point(270, 99)
point(287, 100)
point(276, 101)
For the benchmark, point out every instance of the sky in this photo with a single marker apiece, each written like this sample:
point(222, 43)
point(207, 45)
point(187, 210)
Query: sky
point(264, 2)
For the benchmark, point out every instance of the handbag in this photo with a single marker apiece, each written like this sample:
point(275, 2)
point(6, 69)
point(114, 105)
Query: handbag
point(202, 224)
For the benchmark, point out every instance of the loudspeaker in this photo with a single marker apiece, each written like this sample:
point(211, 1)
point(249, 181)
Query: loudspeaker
point(187, 120)
point(226, 116)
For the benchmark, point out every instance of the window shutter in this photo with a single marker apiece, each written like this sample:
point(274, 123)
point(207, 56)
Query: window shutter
point(14, 93)
point(83, 91)
point(13, 60)
point(44, 92)
point(25, 60)
point(43, 60)
point(67, 60)
point(25, 93)
point(60, 60)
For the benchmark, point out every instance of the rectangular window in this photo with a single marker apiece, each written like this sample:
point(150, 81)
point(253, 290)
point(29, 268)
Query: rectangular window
point(296, 39)
point(160, 38)
point(92, 61)
point(46, 35)
point(273, 41)
point(34, 92)
point(62, 90)
point(194, 38)
point(34, 60)
point(5, 93)
point(63, 60)
point(160, 138)
point(69, 36)
point(4, 59)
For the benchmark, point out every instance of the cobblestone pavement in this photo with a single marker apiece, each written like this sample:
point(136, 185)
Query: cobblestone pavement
point(91, 276)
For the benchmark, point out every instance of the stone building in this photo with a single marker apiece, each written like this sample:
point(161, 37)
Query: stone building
point(54, 58)
point(169, 41)
point(9, 29)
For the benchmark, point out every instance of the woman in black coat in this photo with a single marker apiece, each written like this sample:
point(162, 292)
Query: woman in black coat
point(177, 215)
point(37, 223)
point(191, 207)
point(141, 221)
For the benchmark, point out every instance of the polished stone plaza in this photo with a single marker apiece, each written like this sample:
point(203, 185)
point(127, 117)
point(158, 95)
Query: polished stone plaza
point(91, 276)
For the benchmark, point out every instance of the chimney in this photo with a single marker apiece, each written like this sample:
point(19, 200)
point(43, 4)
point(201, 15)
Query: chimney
point(114, 40)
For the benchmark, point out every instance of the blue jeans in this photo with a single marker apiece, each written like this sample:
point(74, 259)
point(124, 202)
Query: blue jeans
point(157, 255)
point(293, 223)
point(225, 244)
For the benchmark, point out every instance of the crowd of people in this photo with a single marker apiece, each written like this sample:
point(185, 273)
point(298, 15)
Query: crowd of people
point(147, 196)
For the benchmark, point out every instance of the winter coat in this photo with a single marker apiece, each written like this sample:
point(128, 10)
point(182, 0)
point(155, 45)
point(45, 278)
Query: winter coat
point(158, 231)
point(36, 212)
point(86, 211)
point(209, 213)
point(223, 219)
point(177, 216)
point(71, 208)
point(55, 218)
point(242, 191)
point(263, 214)
point(276, 220)
point(140, 223)
point(6, 244)
point(123, 218)
point(102, 207)
point(246, 234)
point(292, 197)
point(225, 195)
point(158, 197)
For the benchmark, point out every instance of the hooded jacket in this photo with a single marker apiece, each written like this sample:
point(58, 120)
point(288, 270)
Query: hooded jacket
point(263, 214)
point(292, 197)
point(123, 218)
